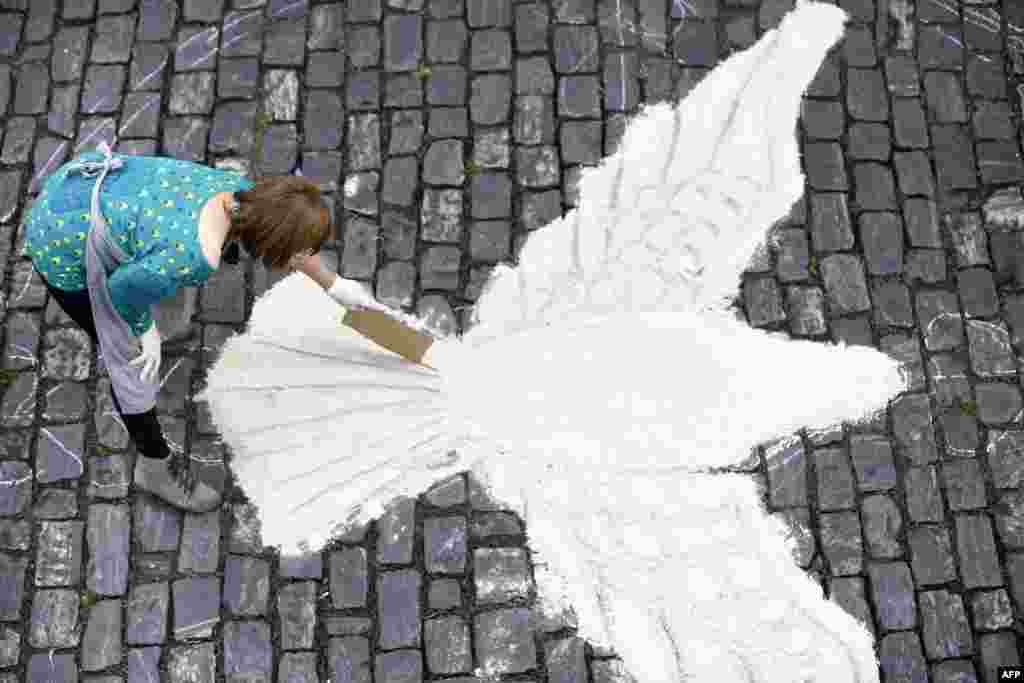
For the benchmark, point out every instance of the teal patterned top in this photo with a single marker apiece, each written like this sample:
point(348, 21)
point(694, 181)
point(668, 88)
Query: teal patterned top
point(152, 206)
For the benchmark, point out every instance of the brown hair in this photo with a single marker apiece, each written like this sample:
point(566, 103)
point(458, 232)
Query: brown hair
point(281, 216)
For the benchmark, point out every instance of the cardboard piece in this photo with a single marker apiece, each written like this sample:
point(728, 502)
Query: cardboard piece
point(392, 334)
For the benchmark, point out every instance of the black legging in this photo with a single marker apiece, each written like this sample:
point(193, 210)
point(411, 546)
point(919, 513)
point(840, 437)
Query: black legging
point(143, 428)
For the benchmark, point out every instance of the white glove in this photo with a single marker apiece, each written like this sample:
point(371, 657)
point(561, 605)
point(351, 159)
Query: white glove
point(353, 294)
point(149, 359)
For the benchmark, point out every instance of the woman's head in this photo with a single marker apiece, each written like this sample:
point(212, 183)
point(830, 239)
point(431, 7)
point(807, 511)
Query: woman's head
point(281, 216)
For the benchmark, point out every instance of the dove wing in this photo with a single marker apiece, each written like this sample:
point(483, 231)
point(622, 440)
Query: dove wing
point(669, 221)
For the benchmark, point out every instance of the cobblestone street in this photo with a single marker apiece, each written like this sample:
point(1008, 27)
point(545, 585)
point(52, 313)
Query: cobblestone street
point(444, 132)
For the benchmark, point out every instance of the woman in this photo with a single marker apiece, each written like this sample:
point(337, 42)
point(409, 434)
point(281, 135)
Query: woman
point(111, 235)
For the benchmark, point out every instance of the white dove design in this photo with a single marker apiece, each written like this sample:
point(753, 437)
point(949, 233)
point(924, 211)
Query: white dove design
point(603, 378)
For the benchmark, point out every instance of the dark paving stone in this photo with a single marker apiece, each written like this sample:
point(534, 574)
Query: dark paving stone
point(845, 284)
point(985, 75)
point(241, 35)
point(538, 167)
point(298, 667)
point(993, 120)
point(192, 663)
point(157, 526)
point(840, 534)
point(296, 609)
point(954, 157)
point(792, 255)
point(101, 644)
point(362, 46)
point(873, 464)
point(579, 97)
point(348, 659)
point(866, 98)
point(869, 141)
point(14, 499)
point(442, 594)
point(247, 651)
point(945, 97)
point(903, 76)
point(964, 485)
point(941, 320)
point(881, 235)
point(931, 553)
point(447, 86)
point(893, 595)
point(997, 649)
point(910, 128)
point(977, 290)
point(363, 137)
point(501, 574)
point(185, 138)
point(875, 188)
point(246, 585)
point(51, 668)
point(534, 120)
point(398, 608)
point(901, 658)
point(59, 554)
point(787, 474)
point(826, 82)
point(695, 43)
point(56, 504)
point(940, 47)
point(975, 546)
point(196, 606)
point(406, 132)
point(12, 583)
point(883, 525)
point(924, 499)
point(961, 433)
point(914, 173)
point(237, 78)
point(991, 610)
point(1009, 519)
point(913, 428)
point(830, 222)
point(32, 89)
point(55, 619)
point(146, 614)
point(537, 209)
point(990, 350)
point(446, 41)
point(503, 638)
point(325, 70)
point(892, 304)
point(1005, 450)
point(826, 169)
point(999, 163)
point(348, 578)
point(835, 480)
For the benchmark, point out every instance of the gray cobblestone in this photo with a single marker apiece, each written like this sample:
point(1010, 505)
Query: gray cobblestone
point(146, 614)
point(55, 619)
point(841, 542)
point(12, 583)
point(924, 500)
point(448, 645)
point(901, 658)
point(991, 610)
point(296, 609)
point(398, 608)
point(246, 585)
point(247, 651)
point(883, 525)
point(975, 545)
point(101, 644)
point(931, 555)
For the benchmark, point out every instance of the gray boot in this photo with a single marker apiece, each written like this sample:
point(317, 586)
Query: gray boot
point(170, 480)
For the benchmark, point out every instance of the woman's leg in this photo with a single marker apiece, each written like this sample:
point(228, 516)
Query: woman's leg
point(167, 478)
point(144, 428)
